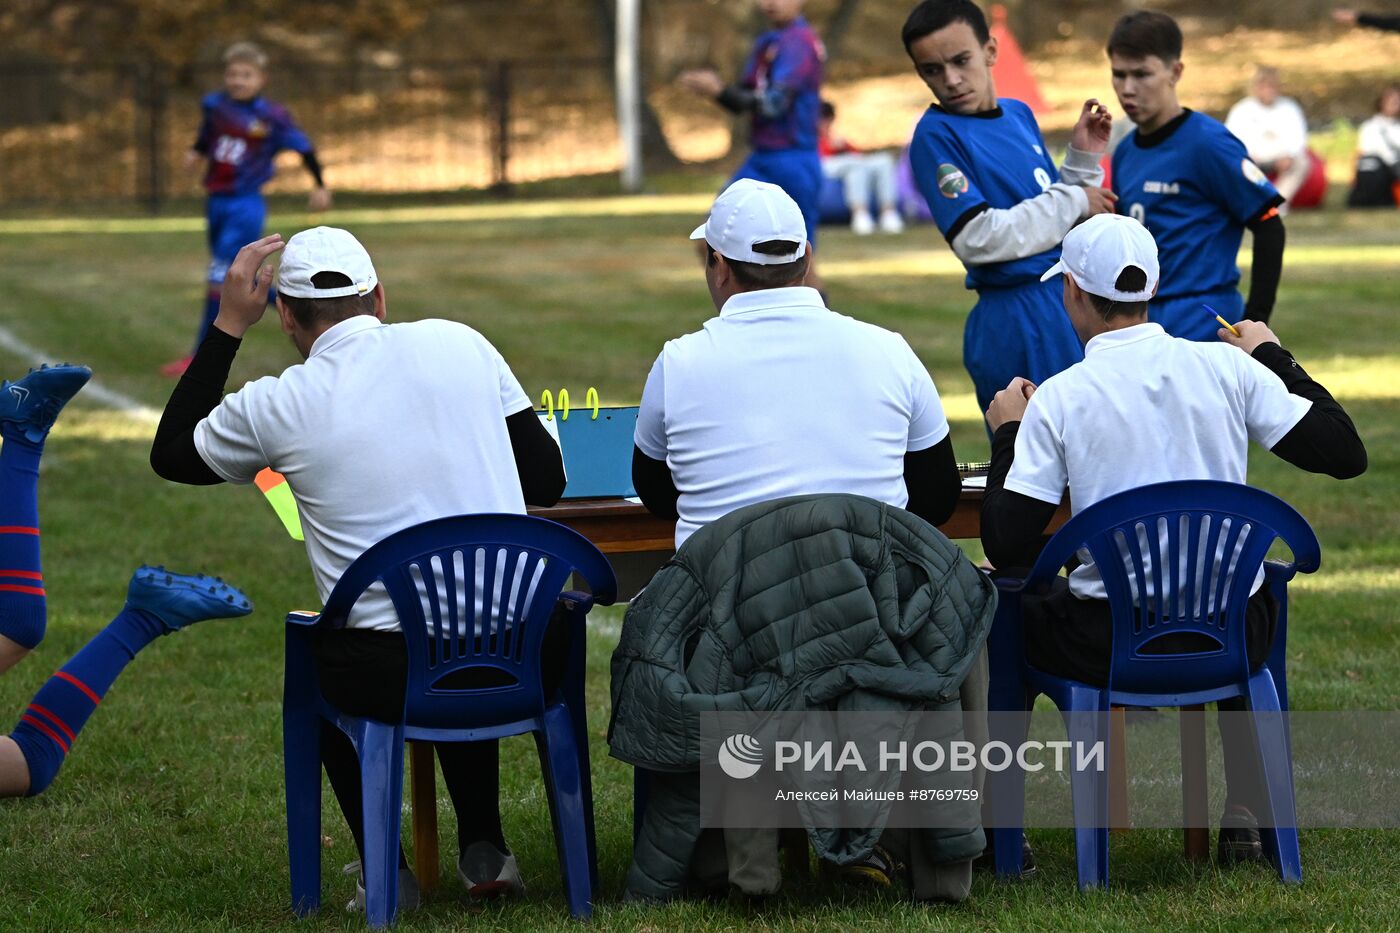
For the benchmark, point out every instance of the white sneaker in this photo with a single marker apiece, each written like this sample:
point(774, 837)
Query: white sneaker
point(408, 889)
point(489, 872)
point(891, 222)
point(862, 224)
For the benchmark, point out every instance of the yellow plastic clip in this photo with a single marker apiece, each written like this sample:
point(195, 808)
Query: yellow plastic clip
point(564, 404)
point(547, 402)
point(591, 401)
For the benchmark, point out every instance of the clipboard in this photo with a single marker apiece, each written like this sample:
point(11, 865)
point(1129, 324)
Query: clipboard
point(598, 452)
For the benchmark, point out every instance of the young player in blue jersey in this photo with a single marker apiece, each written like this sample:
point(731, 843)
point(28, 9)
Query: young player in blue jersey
point(1191, 183)
point(781, 89)
point(997, 196)
point(240, 134)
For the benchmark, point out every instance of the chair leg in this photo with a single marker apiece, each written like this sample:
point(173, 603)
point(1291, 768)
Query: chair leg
point(1118, 818)
point(380, 748)
point(1005, 806)
point(568, 807)
point(301, 757)
point(576, 700)
point(301, 762)
point(1279, 823)
point(423, 769)
point(1195, 797)
point(1087, 725)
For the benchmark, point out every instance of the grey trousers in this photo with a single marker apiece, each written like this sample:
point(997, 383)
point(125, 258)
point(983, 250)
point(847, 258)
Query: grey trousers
point(750, 857)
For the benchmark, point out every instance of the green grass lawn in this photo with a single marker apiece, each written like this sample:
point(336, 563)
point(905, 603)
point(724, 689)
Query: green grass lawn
point(169, 814)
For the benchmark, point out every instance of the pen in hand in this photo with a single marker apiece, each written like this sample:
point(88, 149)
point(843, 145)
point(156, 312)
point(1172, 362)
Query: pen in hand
point(1224, 323)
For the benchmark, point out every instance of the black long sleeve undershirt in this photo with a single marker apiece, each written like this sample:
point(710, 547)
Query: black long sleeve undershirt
point(538, 460)
point(173, 454)
point(930, 475)
point(654, 485)
point(1379, 21)
point(737, 99)
point(1323, 441)
point(1013, 524)
point(313, 165)
point(934, 484)
point(1266, 266)
point(174, 457)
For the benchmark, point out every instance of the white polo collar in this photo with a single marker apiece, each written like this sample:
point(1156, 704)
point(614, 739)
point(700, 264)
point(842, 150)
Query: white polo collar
point(1123, 337)
point(346, 328)
point(773, 299)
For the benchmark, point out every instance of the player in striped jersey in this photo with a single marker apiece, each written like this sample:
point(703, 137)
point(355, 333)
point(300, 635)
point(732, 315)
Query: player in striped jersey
point(240, 134)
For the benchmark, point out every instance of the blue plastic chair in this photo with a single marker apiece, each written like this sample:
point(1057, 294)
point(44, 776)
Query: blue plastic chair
point(1134, 537)
point(493, 579)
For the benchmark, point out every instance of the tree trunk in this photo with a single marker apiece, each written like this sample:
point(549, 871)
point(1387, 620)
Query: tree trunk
point(838, 27)
point(656, 149)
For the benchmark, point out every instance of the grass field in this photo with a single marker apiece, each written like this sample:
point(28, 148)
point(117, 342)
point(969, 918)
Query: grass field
point(169, 815)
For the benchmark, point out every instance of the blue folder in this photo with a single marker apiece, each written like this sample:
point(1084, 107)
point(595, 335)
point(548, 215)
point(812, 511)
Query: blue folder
point(597, 451)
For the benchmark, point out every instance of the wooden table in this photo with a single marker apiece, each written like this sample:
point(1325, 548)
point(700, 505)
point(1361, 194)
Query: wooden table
point(638, 543)
point(617, 526)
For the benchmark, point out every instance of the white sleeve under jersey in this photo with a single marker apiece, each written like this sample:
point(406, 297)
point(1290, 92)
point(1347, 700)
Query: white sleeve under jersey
point(1036, 224)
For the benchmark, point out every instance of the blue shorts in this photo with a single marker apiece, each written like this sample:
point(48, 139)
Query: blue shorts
point(796, 171)
point(1022, 331)
point(235, 220)
point(1188, 318)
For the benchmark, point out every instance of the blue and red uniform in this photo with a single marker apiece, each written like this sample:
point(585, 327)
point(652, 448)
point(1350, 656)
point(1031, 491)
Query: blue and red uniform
point(240, 139)
point(781, 86)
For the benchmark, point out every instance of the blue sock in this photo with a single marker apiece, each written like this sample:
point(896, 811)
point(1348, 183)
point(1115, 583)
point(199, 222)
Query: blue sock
point(211, 311)
point(62, 706)
point(23, 608)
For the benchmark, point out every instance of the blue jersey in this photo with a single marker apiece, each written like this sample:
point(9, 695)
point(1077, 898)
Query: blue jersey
point(241, 138)
point(964, 165)
point(1193, 186)
point(785, 71)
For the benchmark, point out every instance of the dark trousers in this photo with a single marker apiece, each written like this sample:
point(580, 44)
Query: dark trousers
point(365, 673)
point(1071, 637)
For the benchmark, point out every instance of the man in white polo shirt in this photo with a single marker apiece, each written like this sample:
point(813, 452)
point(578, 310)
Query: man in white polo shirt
point(779, 396)
point(1141, 408)
point(382, 427)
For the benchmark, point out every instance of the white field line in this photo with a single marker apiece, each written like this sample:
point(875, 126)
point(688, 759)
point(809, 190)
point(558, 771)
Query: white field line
point(94, 391)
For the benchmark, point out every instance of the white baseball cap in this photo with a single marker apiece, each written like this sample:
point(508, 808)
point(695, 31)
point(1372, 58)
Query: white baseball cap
point(1097, 251)
point(749, 212)
point(325, 249)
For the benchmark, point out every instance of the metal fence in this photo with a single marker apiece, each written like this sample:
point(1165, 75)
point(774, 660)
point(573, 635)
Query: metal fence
point(107, 133)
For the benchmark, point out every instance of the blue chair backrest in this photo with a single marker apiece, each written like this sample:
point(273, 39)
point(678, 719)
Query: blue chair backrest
point(474, 594)
point(1179, 558)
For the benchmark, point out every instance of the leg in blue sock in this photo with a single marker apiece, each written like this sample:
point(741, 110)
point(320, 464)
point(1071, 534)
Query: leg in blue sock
point(158, 602)
point(28, 409)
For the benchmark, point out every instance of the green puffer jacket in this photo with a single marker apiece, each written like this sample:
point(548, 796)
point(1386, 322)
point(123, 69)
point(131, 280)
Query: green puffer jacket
point(810, 602)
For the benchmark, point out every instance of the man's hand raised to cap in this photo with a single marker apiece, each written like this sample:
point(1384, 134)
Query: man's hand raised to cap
point(1252, 334)
point(244, 297)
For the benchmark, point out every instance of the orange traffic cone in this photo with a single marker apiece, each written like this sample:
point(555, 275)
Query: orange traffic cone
point(1012, 77)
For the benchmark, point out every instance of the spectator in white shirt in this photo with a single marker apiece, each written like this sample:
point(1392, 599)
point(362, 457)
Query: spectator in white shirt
point(380, 428)
point(1378, 154)
point(1274, 130)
